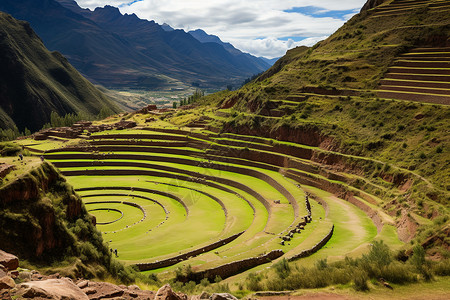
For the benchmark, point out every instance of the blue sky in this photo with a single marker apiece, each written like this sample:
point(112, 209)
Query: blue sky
point(261, 27)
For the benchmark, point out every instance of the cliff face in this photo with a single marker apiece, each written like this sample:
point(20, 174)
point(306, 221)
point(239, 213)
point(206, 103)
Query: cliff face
point(37, 214)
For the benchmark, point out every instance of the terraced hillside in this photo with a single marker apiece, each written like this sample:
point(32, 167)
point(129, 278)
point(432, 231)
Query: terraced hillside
point(361, 58)
point(423, 74)
point(222, 203)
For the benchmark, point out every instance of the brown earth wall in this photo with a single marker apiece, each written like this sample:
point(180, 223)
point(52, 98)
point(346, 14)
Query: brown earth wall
point(418, 71)
point(428, 64)
point(437, 85)
point(27, 189)
point(245, 138)
point(310, 136)
point(415, 90)
point(418, 77)
point(332, 92)
point(181, 132)
point(445, 100)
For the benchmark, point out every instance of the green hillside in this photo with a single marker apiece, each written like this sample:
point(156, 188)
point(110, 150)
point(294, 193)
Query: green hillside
point(356, 57)
point(34, 81)
point(344, 96)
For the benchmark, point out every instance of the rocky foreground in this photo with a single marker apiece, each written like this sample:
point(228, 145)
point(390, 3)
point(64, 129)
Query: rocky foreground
point(15, 284)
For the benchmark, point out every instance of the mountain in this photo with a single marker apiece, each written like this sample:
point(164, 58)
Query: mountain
point(245, 58)
point(118, 50)
point(167, 27)
point(270, 61)
point(34, 81)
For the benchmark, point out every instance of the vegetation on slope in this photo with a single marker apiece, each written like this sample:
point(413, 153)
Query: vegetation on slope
point(34, 82)
point(323, 97)
point(46, 224)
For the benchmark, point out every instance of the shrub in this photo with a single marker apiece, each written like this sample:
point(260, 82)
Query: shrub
point(379, 254)
point(253, 282)
point(442, 268)
point(321, 264)
point(360, 280)
point(9, 149)
point(397, 272)
point(282, 268)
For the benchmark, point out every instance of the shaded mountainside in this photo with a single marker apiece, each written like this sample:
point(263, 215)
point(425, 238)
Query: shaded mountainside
point(34, 81)
point(118, 50)
point(244, 59)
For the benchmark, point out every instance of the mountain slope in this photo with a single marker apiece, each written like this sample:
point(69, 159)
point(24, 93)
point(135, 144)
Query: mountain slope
point(243, 58)
point(328, 97)
point(354, 60)
point(34, 82)
point(118, 50)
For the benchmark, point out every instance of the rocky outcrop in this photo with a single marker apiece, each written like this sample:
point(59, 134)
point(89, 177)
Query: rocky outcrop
point(105, 290)
point(9, 261)
point(166, 293)
point(6, 283)
point(222, 296)
point(5, 169)
point(15, 284)
point(32, 225)
point(51, 289)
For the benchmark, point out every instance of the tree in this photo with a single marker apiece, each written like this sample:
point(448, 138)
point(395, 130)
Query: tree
point(174, 105)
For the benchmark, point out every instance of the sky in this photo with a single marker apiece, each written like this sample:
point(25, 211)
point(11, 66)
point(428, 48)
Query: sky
point(261, 27)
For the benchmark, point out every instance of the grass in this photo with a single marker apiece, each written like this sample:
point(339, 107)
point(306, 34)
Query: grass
point(179, 232)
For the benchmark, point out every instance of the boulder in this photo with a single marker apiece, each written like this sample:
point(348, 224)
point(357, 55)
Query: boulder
point(6, 283)
point(222, 296)
point(166, 293)
point(8, 260)
point(204, 295)
point(3, 271)
point(102, 290)
point(57, 289)
point(83, 284)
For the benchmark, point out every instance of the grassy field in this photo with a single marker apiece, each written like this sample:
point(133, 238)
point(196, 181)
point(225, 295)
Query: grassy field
point(201, 196)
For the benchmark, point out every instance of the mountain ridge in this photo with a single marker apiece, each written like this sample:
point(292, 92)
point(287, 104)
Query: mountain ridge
point(34, 81)
point(118, 50)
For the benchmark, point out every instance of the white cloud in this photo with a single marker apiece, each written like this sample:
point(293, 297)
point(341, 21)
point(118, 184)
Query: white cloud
point(259, 27)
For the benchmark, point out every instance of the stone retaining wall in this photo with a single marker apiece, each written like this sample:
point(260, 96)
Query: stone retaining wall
point(174, 260)
point(234, 268)
point(315, 248)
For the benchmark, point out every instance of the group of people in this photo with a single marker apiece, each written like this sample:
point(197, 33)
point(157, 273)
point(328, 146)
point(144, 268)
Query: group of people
point(114, 251)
